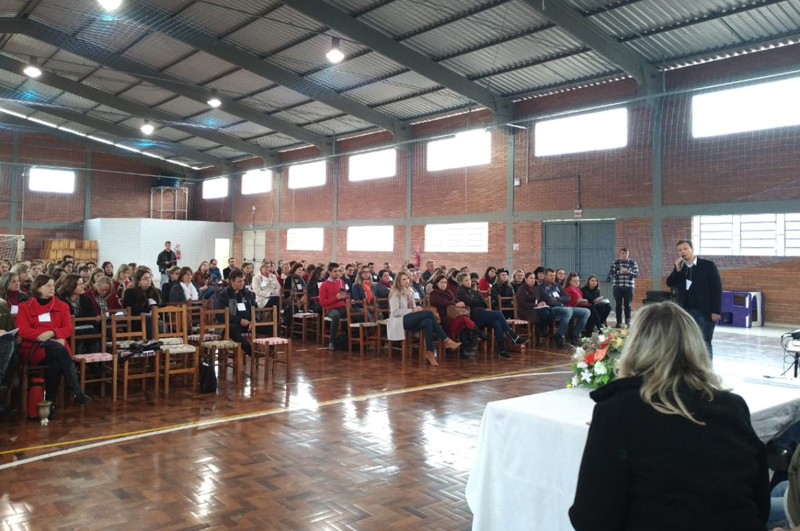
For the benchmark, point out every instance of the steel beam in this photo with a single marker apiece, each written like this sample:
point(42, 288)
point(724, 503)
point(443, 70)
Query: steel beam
point(576, 25)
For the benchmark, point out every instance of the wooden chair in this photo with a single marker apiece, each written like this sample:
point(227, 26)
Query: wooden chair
point(327, 333)
point(267, 344)
point(304, 321)
point(180, 357)
point(216, 343)
point(135, 367)
point(359, 320)
point(106, 363)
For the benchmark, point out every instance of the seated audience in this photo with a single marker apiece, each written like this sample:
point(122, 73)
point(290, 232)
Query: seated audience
point(591, 292)
point(452, 280)
point(668, 448)
point(58, 274)
point(531, 308)
point(184, 289)
point(203, 281)
point(238, 301)
point(475, 281)
point(142, 296)
point(362, 289)
point(462, 327)
point(312, 288)
point(484, 318)
point(247, 269)
point(333, 298)
point(5, 266)
point(10, 292)
point(552, 293)
point(427, 275)
point(122, 280)
point(37, 267)
point(94, 276)
point(502, 288)
point(517, 279)
point(265, 287)
point(487, 281)
point(45, 326)
point(349, 276)
point(226, 273)
point(404, 314)
point(383, 286)
point(72, 292)
point(9, 361)
point(85, 273)
point(561, 277)
point(539, 274)
point(21, 269)
point(108, 269)
point(414, 275)
point(103, 297)
point(576, 300)
point(172, 281)
point(213, 270)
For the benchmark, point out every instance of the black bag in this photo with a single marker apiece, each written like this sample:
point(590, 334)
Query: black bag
point(208, 378)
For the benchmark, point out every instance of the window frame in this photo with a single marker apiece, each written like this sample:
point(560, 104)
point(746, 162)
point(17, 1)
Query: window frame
point(743, 235)
point(251, 175)
point(207, 182)
point(372, 158)
point(44, 182)
point(312, 184)
point(563, 136)
point(466, 150)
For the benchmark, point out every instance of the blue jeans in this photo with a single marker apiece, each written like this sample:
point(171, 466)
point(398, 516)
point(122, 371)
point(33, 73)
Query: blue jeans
point(493, 318)
point(565, 314)
point(706, 328)
point(425, 322)
point(777, 514)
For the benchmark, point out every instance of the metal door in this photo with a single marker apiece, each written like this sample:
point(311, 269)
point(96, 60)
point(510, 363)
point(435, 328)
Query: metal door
point(586, 247)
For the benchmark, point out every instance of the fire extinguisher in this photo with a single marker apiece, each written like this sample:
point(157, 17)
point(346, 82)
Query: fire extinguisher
point(35, 395)
point(178, 251)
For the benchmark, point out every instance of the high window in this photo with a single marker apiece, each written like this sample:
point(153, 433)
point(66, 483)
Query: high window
point(586, 132)
point(256, 182)
point(457, 238)
point(215, 188)
point(49, 180)
point(473, 148)
point(307, 175)
point(374, 165)
point(377, 238)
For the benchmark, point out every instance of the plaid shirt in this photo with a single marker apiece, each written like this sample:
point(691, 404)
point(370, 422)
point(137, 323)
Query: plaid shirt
point(624, 280)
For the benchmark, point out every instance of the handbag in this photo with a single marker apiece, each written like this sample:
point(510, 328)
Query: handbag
point(454, 312)
point(208, 378)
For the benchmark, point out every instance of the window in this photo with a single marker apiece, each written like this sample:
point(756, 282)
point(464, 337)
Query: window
point(256, 182)
point(472, 148)
point(48, 180)
point(380, 238)
point(375, 165)
point(457, 238)
point(747, 235)
point(587, 132)
point(762, 106)
point(215, 188)
point(305, 239)
point(307, 175)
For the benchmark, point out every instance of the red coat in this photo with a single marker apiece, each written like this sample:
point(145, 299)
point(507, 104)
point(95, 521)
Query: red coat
point(575, 295)
point(30, 326)
point(112, 301)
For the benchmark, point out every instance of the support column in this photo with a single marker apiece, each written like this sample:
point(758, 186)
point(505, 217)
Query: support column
point(657, 110)
point(510, 199)
point(335, 230)
point(277, 219)
point(16, 178)
point(409, 190)
point(87, 187)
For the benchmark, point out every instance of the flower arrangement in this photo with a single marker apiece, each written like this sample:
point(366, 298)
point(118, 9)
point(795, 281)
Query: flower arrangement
point(594, 362)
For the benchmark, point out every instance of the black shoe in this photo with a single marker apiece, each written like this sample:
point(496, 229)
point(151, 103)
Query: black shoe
point(505, 355)
point(515, 338)
point(82, 398)
point(481, 335)
point(559, 341)
point(7, 413)
point(462, 353)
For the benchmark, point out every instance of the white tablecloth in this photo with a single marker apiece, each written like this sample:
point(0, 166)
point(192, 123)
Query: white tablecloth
point(529, 452)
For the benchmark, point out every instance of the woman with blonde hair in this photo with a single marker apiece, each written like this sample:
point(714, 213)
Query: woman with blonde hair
point(405, 315)
point(122, 280)
point(668, 448)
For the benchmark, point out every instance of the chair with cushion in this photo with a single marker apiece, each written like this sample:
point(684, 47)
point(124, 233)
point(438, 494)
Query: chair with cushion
point(180, 357)
point(304, 322)
point(216, 343)
point(360, 321)
point(104, 364)
point(267, 344)
point(141, 366)
point(521, 327)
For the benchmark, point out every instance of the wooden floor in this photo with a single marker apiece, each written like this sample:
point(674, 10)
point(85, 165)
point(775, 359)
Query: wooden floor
point(366, 444)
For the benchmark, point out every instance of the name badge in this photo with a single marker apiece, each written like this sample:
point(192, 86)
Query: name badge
point(14, 310)
point(416, 296)
point(299, 287)
point(45, 318)
point(688, 284)
point(152, 302)
point(346, 287)
point(263, 283)
point(319, 285)
point(241, 307)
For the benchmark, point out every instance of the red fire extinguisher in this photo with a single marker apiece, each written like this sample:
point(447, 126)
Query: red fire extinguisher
point(178, 251)
point(35, 395)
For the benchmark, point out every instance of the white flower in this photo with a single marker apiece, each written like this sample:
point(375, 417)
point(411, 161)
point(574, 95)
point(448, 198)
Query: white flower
point(586, 376)
point(579, 353)
point(600, 368)
point(575, 381)
point(582, 365)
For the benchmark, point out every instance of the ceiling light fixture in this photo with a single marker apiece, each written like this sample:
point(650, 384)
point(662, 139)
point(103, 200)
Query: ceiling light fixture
point(33, 70)
point(214, 100)
point(335, 54)
point(147, 128)
point(110, 5)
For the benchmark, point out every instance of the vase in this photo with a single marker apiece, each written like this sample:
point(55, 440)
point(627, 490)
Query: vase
point(44, 411)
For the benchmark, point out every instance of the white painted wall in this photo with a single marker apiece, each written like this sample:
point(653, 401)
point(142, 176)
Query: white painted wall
point(141, 239)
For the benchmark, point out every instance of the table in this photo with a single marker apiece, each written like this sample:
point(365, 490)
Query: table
point(529, 452)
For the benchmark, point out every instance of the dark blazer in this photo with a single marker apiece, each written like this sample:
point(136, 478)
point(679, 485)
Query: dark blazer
point(230, 299)
point(706, 285)
point(646, 471)
point(473, 299)
point(526, 303)
point(502, 290)
point(86, 306)
point(138, 300)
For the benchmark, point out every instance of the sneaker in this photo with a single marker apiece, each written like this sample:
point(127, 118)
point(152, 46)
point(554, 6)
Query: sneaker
point(331, 346)
point(559, 341)
point(505, 355)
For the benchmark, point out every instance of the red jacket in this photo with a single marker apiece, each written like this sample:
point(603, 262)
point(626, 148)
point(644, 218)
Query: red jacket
point(328, 292)
point(31, 326)
point(484, 285)
point(112, 301)
point(575, 295)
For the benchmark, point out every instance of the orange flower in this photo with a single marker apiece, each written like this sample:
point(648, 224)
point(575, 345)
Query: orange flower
point(589, 359)
point(600, 354)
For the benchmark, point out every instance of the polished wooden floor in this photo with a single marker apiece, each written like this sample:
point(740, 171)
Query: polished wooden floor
point(350, 443)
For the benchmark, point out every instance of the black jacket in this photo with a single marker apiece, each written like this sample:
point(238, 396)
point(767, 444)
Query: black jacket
point(646, 471)
point(165, 260)
point(502, 290)
point(706, 285)
point(230, 299)
point(85, 306)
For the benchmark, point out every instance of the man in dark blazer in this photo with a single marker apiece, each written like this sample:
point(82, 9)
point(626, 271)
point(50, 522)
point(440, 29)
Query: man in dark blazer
point(699, 289)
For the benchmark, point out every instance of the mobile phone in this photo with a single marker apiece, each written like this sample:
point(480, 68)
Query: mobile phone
point(341, 289)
